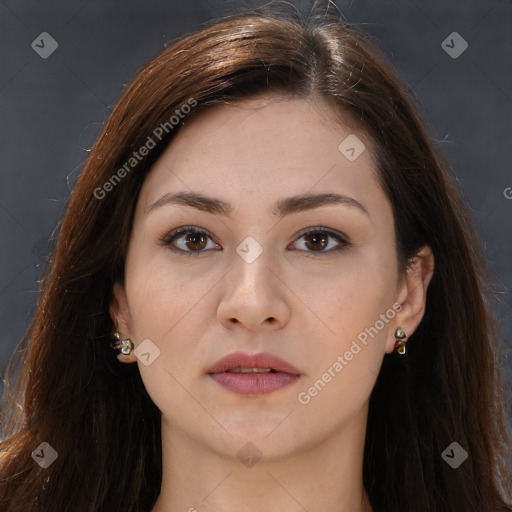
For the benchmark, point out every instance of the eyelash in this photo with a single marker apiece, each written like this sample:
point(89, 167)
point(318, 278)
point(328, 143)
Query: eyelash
point(169, 238)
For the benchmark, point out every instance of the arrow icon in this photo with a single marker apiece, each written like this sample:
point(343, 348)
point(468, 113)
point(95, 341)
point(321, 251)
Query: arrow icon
point(249, 249)
point(454, 455)
point(454, 45)
point(147, 352)
point(44, 45)
point(351, 147)
point(249, 454)
point(44, 455)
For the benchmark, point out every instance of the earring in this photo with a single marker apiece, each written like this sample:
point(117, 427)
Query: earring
point(125, 346)
point(400, 341)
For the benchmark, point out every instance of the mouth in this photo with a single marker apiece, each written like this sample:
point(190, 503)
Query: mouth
point(252, 370)
point(253, 375)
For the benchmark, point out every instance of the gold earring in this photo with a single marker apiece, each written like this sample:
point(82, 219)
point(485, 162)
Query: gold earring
point(125, 346)
point(400, 341)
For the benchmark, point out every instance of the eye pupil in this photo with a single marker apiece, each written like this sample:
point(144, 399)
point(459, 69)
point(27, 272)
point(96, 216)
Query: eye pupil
point(321, 238)
point(196, 239)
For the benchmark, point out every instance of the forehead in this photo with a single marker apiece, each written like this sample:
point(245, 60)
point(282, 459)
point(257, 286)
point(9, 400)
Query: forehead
point(271, 146)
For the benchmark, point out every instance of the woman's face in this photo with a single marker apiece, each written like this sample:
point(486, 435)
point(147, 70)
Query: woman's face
point(253, 281)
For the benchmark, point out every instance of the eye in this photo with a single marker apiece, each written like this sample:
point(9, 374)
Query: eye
point(192, 240)
point(188, 240)
point(316, 240)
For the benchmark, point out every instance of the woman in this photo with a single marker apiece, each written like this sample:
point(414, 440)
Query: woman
point(267, 238)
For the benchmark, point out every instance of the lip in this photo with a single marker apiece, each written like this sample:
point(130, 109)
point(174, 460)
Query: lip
point(283, 375)
point(262, 360)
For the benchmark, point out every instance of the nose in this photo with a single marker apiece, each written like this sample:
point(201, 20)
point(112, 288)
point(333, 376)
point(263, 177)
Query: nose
point(255, 297)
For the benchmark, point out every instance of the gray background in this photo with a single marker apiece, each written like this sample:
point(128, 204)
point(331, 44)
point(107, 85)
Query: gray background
point(51, 110)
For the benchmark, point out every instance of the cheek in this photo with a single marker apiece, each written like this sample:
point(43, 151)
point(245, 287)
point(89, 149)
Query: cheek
point(160, 293)
point(170, 304)
point(345, 365)
point(158, 302)
point(352, 298)
point(354, 308)
point(166, 308)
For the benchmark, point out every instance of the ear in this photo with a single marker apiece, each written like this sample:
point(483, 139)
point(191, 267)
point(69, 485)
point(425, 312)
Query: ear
point(119, 312)
point(120, 315)
point(412, 294)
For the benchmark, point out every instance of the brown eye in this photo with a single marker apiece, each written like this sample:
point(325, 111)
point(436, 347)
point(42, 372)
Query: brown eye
point(188, 240)
point(319, 241)
point(196, 241)
point(316, 241)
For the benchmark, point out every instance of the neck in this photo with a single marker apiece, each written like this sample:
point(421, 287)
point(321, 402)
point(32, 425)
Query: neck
point(326, 476)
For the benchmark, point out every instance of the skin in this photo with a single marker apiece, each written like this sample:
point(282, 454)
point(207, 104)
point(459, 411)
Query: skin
point(295, 301)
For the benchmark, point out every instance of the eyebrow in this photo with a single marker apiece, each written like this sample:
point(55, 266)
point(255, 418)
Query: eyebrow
point(283, 207)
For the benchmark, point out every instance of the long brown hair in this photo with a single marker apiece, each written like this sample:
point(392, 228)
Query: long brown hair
point(72, 393)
